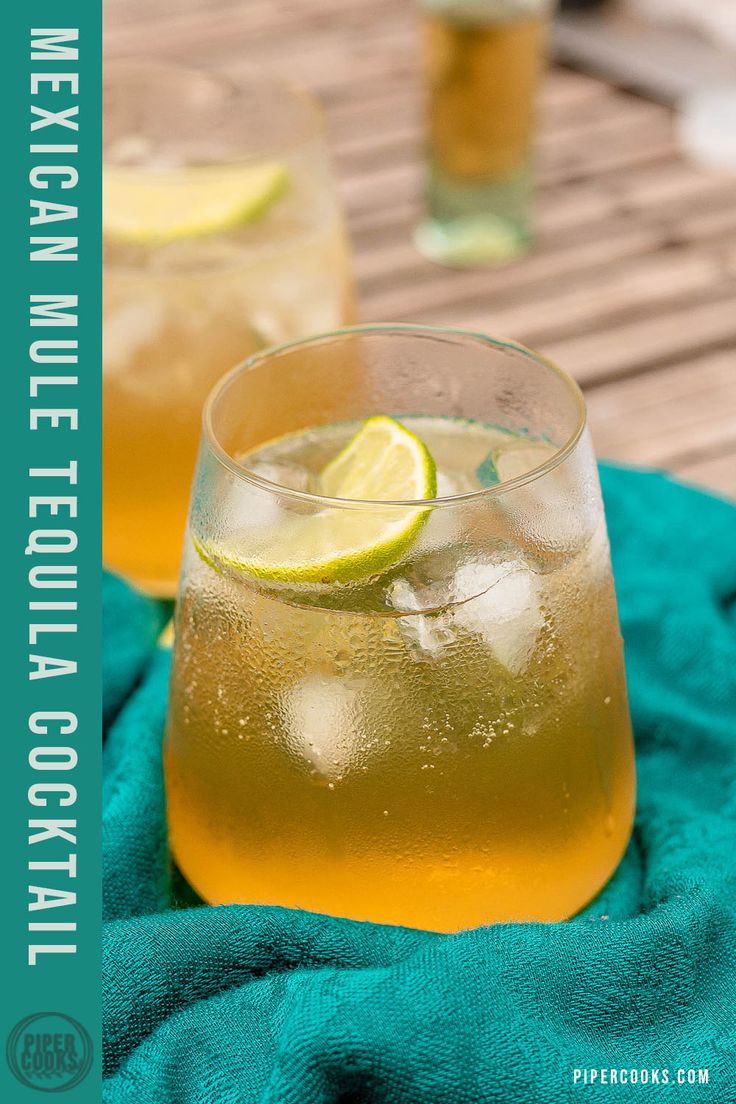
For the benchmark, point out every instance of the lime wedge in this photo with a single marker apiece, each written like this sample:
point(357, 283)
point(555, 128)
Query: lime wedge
point(382, 461)
point(338, 544)
point(186, 203)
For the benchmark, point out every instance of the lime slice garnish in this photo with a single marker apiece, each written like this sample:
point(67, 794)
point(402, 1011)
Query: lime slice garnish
point(383, 461)
point(185, 203)
point(338, 544)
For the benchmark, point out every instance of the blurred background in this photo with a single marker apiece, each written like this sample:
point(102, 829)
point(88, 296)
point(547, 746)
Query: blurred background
point(631, 283)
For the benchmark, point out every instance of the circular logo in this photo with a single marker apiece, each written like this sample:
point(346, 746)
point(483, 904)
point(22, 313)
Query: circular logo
point(49, 1051)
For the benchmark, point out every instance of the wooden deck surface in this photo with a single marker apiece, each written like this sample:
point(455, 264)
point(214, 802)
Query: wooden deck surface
point(632, 284)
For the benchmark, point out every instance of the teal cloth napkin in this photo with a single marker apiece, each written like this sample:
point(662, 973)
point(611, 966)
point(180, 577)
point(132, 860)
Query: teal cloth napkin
point(242, 1004)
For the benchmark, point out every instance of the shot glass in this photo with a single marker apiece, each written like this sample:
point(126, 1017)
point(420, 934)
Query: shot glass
point(482, 63)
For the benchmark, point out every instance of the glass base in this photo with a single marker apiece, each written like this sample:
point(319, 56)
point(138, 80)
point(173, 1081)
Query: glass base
point(483, 223)
point(479, 240)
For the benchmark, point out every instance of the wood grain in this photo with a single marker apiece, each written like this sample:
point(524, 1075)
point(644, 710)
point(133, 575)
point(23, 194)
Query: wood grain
point(631, 285)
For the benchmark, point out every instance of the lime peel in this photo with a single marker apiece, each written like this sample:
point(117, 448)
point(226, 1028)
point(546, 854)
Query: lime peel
point(187, 203)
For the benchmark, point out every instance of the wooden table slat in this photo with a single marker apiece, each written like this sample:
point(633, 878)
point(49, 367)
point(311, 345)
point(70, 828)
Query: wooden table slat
point(716, 472)
point(672, 417)
point(632, 283)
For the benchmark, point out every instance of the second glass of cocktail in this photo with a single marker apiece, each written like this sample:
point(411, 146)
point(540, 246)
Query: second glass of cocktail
point(398, 689)
point(222, 235)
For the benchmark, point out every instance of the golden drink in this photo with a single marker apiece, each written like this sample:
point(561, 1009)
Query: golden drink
point(443, 744)
point(169, 334)
point(206, 261)
point(482, 60)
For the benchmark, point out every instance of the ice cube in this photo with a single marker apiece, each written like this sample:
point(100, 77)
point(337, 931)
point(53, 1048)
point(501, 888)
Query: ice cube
point(544, 518)
point(501, 603)
point(322, 714)
point(498, 602)
point(426, 634)
point(442, 526)
point(293, 476)
point(128, 330)
point(555, 513)
point(243, 506)
point(413, 597)
point(446, 486)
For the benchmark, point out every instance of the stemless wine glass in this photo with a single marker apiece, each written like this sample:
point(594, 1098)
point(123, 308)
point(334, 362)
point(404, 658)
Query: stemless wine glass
point(222, 235)
point(433, 730)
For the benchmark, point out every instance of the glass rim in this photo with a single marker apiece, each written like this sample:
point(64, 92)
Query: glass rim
point(497, 489)
point(248, 74)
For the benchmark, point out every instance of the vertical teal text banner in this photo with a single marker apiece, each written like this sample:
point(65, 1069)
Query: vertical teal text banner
point(51, 551)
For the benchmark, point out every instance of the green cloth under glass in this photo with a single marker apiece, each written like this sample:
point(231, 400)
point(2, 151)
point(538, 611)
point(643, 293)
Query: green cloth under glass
point(246, 1003)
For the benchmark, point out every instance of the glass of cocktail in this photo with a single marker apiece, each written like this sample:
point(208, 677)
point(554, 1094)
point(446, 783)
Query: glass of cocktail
point(482, 61)
point(398, 689)
point(222, 235)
